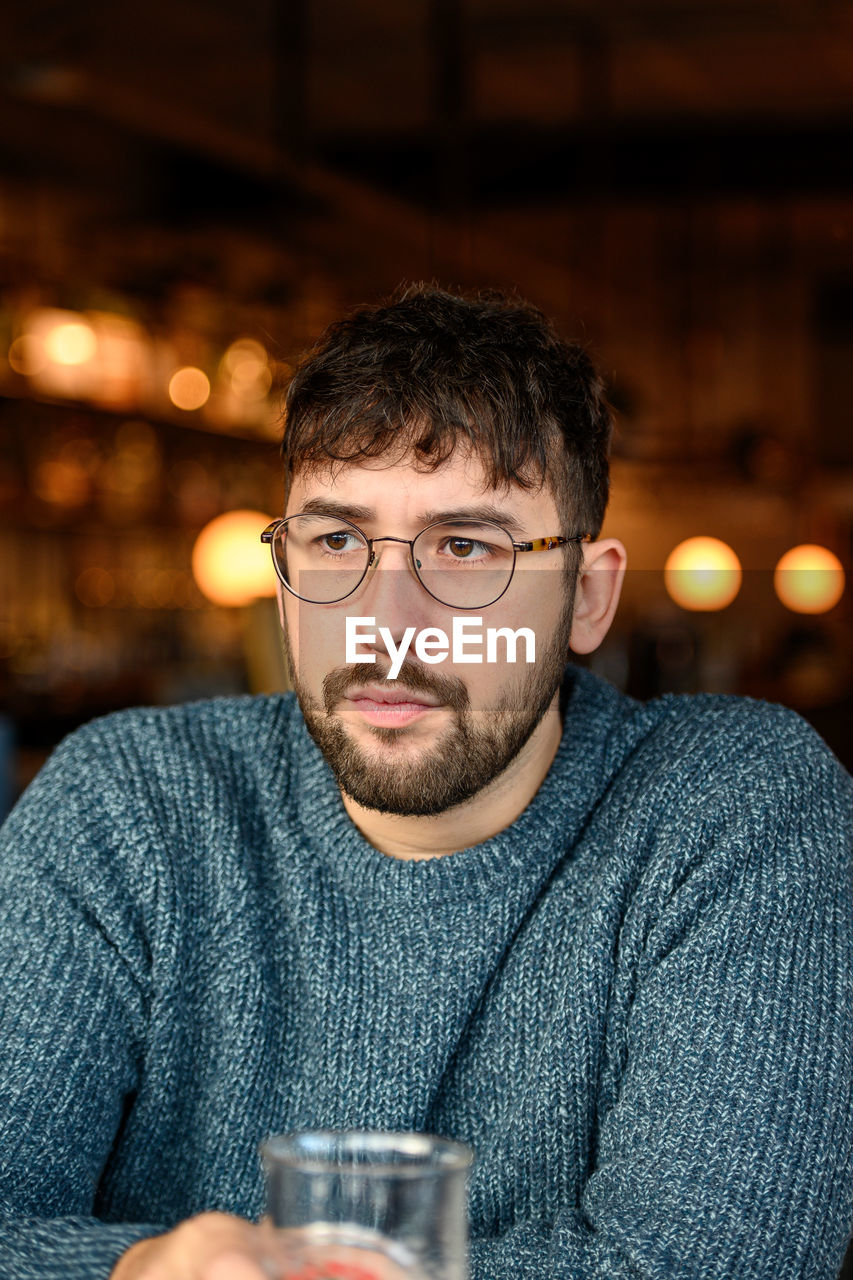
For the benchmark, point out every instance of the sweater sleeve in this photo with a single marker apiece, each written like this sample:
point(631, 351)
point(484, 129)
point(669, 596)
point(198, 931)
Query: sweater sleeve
point(727, 1146)
point(72, 1016)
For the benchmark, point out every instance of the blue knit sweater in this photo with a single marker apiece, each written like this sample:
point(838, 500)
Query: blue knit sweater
point(636, 1002)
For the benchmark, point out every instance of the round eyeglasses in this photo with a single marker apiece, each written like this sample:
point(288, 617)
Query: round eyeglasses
point(466, 564)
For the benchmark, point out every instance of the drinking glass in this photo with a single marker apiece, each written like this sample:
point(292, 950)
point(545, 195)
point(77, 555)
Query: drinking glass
point(358, 1205)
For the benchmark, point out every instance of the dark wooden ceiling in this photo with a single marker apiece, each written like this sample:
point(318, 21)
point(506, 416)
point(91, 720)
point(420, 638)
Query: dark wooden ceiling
point(438, 101)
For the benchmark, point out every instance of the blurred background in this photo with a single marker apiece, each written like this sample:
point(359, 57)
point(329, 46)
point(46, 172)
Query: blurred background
point(190, 191)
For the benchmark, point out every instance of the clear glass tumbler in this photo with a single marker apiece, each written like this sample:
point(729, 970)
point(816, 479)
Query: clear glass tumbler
point(358, 1205)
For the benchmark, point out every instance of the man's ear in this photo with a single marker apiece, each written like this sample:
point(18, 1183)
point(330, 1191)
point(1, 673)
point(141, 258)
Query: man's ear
point(597, 593)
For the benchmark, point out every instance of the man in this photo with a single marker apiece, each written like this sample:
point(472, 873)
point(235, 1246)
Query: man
point(608, 944)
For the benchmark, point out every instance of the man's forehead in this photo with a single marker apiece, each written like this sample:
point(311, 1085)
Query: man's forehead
point(460, 477)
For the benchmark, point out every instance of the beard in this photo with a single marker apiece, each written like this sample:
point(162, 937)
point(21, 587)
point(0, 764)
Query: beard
point(467, 757)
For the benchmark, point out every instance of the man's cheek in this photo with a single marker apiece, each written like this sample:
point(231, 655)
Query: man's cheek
point(319, 647)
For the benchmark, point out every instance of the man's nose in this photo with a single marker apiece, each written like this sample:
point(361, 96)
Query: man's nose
point(392, 594)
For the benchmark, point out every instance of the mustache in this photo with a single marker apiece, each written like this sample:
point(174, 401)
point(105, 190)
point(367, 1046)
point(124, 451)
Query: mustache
point(444, 688)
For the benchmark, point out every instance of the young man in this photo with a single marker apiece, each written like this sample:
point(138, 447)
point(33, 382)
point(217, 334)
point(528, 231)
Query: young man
point(608, 944)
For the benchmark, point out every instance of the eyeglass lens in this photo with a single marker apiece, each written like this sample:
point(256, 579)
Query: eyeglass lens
point(464, 564)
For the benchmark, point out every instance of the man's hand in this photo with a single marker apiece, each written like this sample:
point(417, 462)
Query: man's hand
point(219, 1246)
point(212, 1246)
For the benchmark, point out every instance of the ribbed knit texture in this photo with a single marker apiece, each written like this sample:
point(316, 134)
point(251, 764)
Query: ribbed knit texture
point(636, 1002)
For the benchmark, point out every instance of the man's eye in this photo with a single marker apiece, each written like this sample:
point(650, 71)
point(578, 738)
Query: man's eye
point(335, 541)
point(466, 548)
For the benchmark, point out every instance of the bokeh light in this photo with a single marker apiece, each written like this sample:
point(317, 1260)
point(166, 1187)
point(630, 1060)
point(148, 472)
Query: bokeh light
point(189, 388)
point(71, 342)
point(242, 350)
point(62, 481)
point(230, 563)
point(246, 366)
point(809, 579)
point(702, 574)
point(250, 380)
point(27, 355)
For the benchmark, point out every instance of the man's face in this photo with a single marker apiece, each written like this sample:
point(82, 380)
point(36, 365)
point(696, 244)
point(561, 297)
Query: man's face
point(461, 724)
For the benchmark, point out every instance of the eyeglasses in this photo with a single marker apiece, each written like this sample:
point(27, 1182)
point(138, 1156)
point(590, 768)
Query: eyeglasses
point(467, 564)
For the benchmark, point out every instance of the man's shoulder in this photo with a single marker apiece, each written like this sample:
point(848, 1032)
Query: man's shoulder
point(719, 786)
point(685, 729)
point(731, 722)
point(204, 735)
point(223, 715)
point(704, 742)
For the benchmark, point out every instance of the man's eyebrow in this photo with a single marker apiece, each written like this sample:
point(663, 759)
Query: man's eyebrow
point(340, 510)
point(355, 513)
point(482, 511)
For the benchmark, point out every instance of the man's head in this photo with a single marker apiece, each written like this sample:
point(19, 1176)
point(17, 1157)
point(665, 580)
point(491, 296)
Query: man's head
point(428, 404)
point(431, 371)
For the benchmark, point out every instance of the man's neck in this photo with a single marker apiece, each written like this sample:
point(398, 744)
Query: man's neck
point(484, 815)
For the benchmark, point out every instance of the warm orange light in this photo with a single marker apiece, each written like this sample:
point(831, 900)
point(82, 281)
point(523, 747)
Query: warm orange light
point(61, 481)
point(27, 355)
point(230, 563)
point(242, 350)
point(97, 356)
point(122, 366)
point(246, 366)
point(250, 380)
point(809, 579)
point(189, 388)
point(702, 574)
point(72, 342)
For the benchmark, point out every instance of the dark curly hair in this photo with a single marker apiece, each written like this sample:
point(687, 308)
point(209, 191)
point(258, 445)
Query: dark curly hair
point(427, 369)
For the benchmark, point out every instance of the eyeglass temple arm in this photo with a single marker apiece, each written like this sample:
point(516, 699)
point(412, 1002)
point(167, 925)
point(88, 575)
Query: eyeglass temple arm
point(267, 534)
point(548, 544)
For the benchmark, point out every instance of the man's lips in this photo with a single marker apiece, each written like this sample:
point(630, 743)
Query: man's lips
point(389, 708)
point(377, 693)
